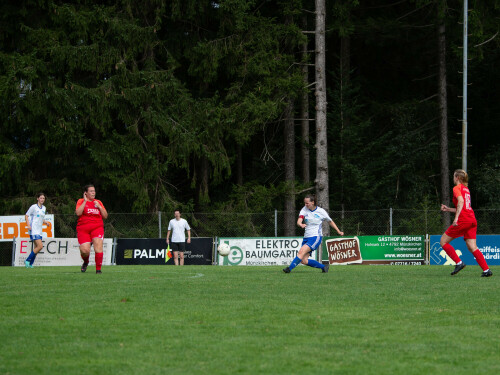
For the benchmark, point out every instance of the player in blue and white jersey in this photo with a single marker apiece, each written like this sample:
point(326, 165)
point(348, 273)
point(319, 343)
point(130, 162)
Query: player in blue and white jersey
point(311, 218)
point(35, 218)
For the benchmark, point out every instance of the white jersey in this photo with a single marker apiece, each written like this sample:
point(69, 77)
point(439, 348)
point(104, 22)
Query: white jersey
point(178, 228)
point(36, 216)
point(314, 220)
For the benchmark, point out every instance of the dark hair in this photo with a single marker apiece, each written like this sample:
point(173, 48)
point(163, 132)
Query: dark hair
point(86, 187)
point(40, 194)
point(311, 197)
point(177, 210)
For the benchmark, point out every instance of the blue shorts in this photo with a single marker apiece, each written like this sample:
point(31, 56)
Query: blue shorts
point(35, 237)
point(312, 242)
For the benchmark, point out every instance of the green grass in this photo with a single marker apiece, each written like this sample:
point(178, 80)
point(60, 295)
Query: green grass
point(249, 320)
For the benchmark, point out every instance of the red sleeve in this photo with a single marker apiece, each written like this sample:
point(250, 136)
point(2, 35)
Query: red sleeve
point(100, 203)
point(79, 202)
point(457, 191)
point(301, 216)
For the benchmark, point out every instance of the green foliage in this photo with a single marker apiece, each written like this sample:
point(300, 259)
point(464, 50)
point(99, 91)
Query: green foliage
point(132, 96)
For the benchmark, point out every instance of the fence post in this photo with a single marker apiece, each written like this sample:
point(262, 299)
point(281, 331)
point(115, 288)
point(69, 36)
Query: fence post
point(159, 224)
point(390, 221)
point(275, 223)
point(13, 251)
point(426, 229)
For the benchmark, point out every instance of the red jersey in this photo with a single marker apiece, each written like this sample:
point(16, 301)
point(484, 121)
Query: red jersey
point(467, 214)
point(91, 214)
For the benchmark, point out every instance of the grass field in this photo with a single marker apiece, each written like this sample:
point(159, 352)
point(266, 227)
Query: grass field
point(249, 320)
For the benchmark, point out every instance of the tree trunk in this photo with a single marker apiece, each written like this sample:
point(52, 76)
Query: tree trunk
point(304, 113)
point(443, 125)
point(202, 175)
point(345, 80)
point(289, 138)
point(322, 191)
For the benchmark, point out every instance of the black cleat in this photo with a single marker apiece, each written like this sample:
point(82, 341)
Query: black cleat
point(98, 271)
point(487, 273)
point(84, 267)
point(327, 267)
point(458, 268)
point(286, 270)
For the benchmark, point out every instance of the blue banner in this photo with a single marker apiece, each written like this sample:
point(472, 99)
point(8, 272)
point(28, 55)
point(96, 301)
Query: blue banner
point(488, 244)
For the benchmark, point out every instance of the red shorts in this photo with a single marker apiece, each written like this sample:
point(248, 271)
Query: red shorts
point(466, 229)
point(87, 232)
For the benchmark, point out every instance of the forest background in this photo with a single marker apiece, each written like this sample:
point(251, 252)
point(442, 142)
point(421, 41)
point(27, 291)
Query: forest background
point(209, 106)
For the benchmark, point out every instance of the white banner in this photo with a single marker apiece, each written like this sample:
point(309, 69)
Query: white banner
point(15, 227)
point(59, 252)
point(265, 251)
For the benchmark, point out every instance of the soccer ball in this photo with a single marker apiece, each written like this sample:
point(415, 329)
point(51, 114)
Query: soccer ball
point(224, 249)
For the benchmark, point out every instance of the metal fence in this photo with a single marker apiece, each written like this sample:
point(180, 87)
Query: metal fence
point(271, 224)
point(268, 224)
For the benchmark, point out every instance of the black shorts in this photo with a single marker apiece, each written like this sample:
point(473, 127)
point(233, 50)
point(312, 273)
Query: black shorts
point(178, 246)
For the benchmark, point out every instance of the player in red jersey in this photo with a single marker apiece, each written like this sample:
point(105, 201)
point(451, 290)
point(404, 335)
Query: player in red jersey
point(464, 224)
point(90, 226)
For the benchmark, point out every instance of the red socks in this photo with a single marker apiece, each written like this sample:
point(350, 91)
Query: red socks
point(480, 259)
point(85, 259)
point(98, 261)
point(477, 254)
point(451, 252)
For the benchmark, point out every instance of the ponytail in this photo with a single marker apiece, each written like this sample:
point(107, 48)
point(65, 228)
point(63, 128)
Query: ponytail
point(462, 176)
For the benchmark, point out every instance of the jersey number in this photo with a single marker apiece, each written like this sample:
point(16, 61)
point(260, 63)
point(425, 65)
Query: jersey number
point(467, 201)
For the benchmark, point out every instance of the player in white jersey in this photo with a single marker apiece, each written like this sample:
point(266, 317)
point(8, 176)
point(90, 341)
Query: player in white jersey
point(178, 227)
point(35, 218)
point(311, 218)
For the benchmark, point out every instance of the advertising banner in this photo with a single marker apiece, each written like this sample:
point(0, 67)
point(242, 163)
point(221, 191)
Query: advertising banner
point(488, 244)
point(59, 252)
point(392, 250)
point(260, 251)
point(154, 251)
point(15, 227)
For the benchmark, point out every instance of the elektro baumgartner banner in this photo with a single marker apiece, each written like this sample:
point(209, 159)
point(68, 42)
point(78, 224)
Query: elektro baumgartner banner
point(263, 251)
point(488, 244)
point(15, 227)
point(59, 252)
point(392, 250)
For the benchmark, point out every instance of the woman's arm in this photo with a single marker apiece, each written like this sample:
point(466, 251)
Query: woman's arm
point(334, 226)
point(101, 208)
point(460, 205)
point(300, 222)
point(445, 208)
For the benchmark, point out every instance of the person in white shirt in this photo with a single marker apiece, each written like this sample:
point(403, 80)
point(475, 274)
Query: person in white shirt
point(178, 227)
point(311, 219)
point(35, 218)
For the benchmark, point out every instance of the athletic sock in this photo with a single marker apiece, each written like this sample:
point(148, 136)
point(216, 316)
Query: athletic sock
point(98, 261)
point(32, 256)
point(315, 264)
point(480, 259)
point(294, 263)
point(85, 259)
point(451, 253)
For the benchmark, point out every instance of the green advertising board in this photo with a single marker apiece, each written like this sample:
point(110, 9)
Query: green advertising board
point(395, 250)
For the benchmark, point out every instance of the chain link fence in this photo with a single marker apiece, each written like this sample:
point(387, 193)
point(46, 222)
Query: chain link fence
point(269, 224)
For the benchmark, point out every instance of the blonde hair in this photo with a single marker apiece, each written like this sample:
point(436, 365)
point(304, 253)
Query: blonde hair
point(462, 175)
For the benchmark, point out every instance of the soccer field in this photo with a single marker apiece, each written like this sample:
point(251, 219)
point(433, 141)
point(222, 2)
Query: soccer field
point(249, 320)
